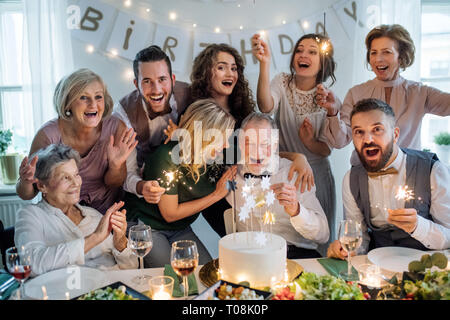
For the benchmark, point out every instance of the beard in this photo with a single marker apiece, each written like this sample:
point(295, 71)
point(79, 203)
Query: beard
point(376, 165)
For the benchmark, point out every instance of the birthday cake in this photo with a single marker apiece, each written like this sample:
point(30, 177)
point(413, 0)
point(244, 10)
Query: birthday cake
point(244, 256)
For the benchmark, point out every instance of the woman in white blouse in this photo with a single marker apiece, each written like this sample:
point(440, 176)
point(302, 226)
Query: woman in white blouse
point(60, 232)
point(300, 119)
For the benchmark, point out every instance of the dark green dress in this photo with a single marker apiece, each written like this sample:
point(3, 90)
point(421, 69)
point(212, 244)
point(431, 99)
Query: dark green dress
point(157, 167)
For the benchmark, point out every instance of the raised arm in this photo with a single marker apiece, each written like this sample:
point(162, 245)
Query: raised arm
point(25, 185)
point(261, 51)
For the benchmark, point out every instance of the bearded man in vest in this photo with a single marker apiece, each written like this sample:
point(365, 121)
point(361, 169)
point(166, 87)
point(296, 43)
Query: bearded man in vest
point(420, 220)
point(157, 100)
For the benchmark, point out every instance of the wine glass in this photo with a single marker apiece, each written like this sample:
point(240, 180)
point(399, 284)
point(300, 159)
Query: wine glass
point(350, 236)
point(18, 262)
point(184, 260)
point(140, 242)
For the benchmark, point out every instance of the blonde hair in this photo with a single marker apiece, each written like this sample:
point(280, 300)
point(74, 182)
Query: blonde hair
point(211, 116)
point(70, 88)
point(405, 45)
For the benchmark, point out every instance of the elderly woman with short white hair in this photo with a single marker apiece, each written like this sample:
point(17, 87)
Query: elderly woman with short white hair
point(60, 232)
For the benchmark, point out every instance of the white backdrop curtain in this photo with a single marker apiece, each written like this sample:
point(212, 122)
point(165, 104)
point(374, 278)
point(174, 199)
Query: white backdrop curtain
point(47, 56)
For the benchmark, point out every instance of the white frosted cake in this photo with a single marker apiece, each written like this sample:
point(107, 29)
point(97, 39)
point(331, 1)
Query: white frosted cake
point(248, 260)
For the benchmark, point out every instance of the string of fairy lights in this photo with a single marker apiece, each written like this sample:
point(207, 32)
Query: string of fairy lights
point(147, 11)
point(173, 16)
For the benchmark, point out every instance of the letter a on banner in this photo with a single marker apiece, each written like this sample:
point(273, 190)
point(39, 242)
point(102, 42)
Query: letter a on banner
point(96, 17)
point(130, 35)
point(175, 43)
point(282, 41)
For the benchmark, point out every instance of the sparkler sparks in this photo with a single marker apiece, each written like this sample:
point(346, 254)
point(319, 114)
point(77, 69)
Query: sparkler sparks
point(404, 194)
point(171, 177)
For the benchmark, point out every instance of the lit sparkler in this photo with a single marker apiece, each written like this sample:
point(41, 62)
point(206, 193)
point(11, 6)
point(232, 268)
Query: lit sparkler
point(171, 177)
point(404, 194)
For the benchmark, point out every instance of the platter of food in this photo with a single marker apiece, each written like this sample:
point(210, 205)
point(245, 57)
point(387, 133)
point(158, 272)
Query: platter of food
point(224, 290)
point(115, 291)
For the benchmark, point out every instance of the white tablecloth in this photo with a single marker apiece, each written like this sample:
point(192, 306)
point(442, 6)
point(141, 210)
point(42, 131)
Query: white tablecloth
point(126, 276)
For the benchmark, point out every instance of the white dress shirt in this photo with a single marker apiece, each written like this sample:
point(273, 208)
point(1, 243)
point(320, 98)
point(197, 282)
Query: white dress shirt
point(56, 242)
point(433, 234)
point(156, 137)
point(306, 230)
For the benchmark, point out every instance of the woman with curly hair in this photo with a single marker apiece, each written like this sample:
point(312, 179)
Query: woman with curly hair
point(218, 73)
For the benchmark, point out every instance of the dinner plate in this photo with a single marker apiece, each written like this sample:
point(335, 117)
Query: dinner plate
point(394, 258)
point(75, 280)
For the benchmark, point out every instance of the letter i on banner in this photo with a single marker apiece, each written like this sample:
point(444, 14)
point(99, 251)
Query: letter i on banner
point(130, 35)
point(96, 18)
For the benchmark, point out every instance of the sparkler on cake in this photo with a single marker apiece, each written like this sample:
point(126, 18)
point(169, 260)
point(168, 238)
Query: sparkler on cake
point(261, 198)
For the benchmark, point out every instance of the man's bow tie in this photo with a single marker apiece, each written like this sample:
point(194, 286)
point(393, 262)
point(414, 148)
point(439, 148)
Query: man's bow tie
point(382, 172)
point(251, 175)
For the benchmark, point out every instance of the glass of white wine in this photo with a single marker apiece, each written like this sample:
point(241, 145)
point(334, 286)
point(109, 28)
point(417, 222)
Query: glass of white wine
point(350, 237)
point(184, 260)
point(140, 242)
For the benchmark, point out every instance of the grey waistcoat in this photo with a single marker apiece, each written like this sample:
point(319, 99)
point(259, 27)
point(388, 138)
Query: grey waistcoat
point(418, 170)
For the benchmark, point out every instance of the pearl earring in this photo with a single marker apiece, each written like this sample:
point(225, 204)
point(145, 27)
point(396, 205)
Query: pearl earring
point(68, 113)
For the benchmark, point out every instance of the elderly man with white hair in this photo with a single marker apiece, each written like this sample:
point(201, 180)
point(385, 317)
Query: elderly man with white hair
point(298, 217)
point(60, 232)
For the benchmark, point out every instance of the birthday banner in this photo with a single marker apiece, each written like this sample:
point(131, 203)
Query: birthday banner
point(130, 33)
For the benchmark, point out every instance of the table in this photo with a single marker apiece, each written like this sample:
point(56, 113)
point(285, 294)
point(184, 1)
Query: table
point(126, 276)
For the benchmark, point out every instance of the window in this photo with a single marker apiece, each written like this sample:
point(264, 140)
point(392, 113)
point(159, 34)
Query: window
point(435, 63)
point(13, 113)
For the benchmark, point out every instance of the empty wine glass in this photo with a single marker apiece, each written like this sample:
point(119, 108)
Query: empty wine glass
point(350, 236)
point(18, 262)
point(184, 260)
point(140, 242)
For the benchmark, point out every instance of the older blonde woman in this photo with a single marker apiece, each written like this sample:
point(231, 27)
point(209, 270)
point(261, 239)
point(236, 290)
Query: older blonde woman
point(390, 49)
point(59, 231)
point(84, 105)
point(187, 170)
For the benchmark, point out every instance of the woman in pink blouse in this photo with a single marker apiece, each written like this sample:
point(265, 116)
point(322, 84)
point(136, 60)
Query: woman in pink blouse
point(389, 49)
point(84, 106)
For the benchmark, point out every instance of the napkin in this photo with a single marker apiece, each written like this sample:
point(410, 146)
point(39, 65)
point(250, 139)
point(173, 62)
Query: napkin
point(178, 291)
point(3, 278)
point(334, 266)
